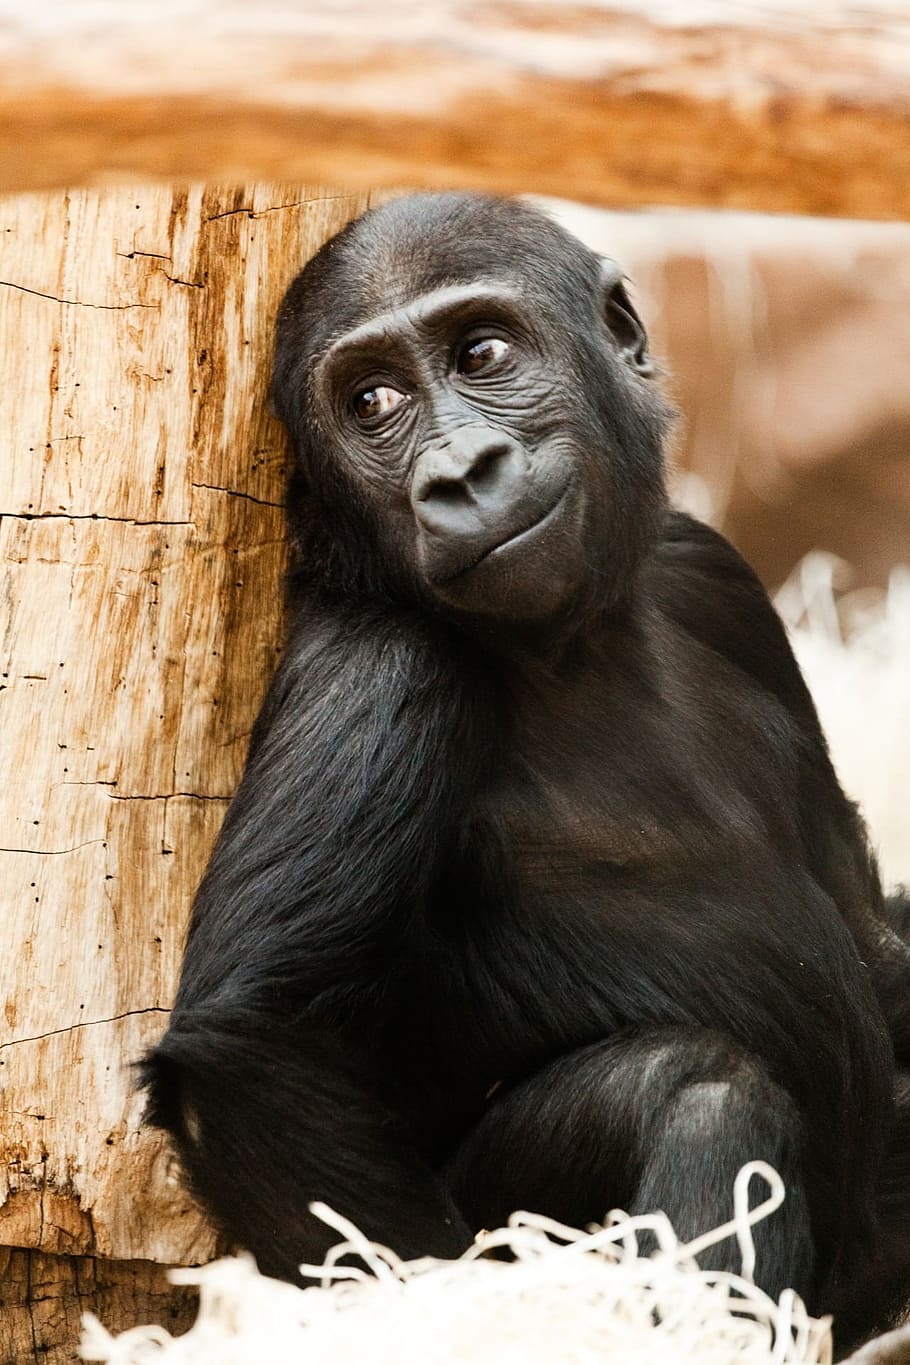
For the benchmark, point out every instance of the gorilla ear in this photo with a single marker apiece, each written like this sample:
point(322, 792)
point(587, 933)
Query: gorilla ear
point(623, 323)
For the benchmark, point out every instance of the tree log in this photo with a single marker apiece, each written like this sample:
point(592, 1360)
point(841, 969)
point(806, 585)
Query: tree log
point(42, 1299)
point(623, 102)
point(141, 554)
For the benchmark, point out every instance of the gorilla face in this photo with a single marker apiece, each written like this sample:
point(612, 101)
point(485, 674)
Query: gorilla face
point(497, 432)
point(456, 405)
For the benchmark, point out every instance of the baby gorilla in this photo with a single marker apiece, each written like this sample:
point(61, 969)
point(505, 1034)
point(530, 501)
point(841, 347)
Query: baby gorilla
point(539, 889)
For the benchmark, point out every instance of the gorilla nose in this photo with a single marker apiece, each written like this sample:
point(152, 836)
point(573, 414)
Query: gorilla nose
point(467, 486)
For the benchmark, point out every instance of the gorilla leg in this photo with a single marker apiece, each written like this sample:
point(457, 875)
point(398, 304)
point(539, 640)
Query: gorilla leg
point(662, 1120)
point(267, 1122)
point(877, 1295)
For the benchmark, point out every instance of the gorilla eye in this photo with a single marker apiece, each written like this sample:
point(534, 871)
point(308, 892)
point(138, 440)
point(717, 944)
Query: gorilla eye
point(481, 355)
point(374, 402)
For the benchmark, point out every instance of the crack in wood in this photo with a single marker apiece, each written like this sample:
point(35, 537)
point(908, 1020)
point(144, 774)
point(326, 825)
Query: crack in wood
point(277, 208)
point(236, 493)
point(73, 303)
point(84, 1023)
point(88, 516)
point(57, 852)
point(230, 213)
point(166, 796)
point(190, 284)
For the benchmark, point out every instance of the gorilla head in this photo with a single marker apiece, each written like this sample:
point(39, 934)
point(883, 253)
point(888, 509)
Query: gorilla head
point(466, 387)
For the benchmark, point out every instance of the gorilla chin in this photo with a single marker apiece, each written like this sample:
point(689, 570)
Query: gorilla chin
point(531, 576)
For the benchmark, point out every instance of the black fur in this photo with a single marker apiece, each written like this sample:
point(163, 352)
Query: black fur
point(541, 892)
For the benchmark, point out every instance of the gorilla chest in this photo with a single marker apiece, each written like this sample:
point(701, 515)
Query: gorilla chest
point(619, 843)
point(608, 786)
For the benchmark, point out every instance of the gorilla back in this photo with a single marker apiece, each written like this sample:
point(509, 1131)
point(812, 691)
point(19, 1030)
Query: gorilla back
point(539, 889)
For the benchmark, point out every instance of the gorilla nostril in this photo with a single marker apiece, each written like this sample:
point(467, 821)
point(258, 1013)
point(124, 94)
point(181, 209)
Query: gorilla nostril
point(485, 471)
point(448, 492)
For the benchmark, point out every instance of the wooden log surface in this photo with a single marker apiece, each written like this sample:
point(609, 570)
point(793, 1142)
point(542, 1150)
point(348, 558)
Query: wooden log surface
point(141, 554)
point(43, 1297)
point(775, 106)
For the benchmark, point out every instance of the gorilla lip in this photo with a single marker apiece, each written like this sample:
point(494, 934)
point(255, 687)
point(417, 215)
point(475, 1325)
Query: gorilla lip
point(512, 539)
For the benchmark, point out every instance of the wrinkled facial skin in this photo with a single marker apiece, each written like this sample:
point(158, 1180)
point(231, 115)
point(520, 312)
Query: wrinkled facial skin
point(498, 434)
point(456, 409)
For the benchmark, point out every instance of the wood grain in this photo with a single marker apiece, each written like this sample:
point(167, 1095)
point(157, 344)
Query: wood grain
point(141, 554)
point(622, 102)
point(43, 1297)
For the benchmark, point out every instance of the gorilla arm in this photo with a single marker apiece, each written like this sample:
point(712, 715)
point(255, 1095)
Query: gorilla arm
point(717, 598)
point(360, 758)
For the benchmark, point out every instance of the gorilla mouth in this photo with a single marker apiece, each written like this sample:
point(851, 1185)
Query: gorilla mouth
point(512, 539)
